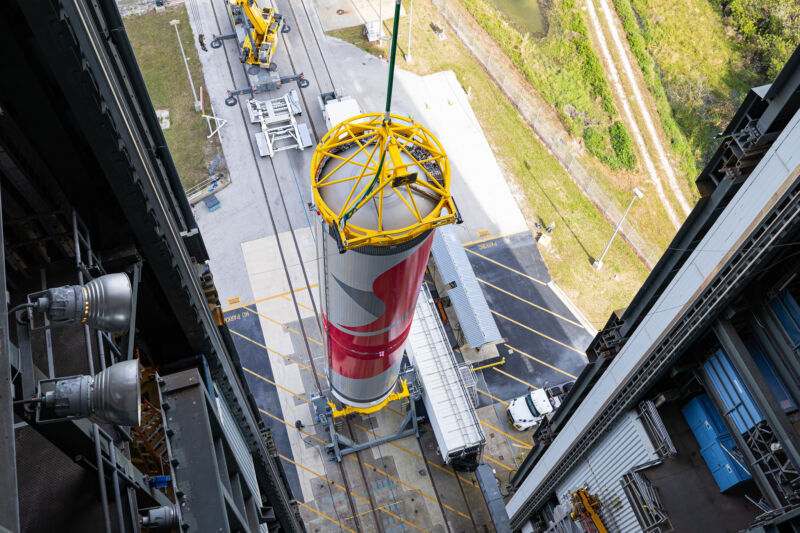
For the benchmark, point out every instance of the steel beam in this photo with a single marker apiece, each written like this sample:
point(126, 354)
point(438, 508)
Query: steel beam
point(196, 463)
point(759, 389)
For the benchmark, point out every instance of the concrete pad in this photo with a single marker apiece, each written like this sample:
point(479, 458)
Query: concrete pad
point(337, 14)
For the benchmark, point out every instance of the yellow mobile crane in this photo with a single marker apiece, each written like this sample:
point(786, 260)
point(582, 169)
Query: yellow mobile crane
point(261, 28)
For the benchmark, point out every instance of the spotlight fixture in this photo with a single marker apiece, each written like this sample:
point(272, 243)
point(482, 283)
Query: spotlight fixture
point(113, 395)
point(160, 518)
point(104, 303)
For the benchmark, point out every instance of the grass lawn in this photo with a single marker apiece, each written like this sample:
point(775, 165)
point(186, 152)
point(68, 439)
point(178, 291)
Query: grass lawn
point(548, 193)
point(704, 72)
point(569, 75)
point(159, 57)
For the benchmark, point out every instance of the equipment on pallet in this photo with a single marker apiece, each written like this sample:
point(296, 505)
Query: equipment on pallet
point(273, 84)
point(279, 128)
point(585, 508)
point(256, 29)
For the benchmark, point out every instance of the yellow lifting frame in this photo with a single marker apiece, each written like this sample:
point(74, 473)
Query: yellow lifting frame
point(383, 142)
point(375, 408)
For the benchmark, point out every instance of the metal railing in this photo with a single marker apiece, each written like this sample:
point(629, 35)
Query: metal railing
point(556, 139)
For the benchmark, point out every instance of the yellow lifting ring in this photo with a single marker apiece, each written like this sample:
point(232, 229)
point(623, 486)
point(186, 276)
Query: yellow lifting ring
point(385, 150)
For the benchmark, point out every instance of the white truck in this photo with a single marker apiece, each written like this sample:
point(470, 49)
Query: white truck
point(527, 411)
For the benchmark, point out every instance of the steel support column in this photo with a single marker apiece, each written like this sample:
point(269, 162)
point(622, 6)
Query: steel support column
point(759, 389)
point(195, 459)
point(778, 350)
point(9, 510)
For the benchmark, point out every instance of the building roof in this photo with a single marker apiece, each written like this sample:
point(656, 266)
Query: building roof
point(469, 303)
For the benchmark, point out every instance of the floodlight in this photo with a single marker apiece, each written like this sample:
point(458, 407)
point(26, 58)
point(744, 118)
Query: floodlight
point(104, 303)
point(113, 395)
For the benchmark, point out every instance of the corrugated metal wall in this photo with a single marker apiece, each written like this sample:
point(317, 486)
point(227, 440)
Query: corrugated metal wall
point(622, 448)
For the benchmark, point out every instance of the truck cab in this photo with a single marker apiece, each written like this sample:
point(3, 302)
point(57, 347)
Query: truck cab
point(527, 411)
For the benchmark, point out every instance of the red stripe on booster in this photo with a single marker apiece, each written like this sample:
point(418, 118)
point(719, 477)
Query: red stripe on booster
point(364, 356)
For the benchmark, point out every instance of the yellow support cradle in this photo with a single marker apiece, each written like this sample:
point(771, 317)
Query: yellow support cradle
point(404, 393)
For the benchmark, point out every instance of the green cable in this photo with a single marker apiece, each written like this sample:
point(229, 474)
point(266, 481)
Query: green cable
point(392, 57)
point(389, 87)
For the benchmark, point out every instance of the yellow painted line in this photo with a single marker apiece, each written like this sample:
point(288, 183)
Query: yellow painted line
point(562, 317)
point(492, 397)
point(271, 350)
point(506, 434)
point(306, 433)
point(268, 349)
point(307, 308)
point(506, 267)
point(539, 333)
point(516, 378)
point(325, 516)
point(443, 469)
point(259, 376)
point(279, 295)
point(492, 238)
point(329, 480)
point(498, 463)
point(539, 361)
point(378, 470)
point(281, 324)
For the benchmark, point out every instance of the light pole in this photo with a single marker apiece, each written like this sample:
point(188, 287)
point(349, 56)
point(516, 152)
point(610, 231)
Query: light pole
point(174, 23)
point(598, 264)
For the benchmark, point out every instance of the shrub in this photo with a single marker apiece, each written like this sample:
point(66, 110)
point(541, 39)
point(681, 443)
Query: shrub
point(622, 144)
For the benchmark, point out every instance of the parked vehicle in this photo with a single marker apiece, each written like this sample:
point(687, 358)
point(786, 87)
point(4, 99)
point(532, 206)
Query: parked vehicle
point(528, 411)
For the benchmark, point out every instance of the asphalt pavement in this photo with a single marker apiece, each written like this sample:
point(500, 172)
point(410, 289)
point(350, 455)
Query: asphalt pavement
point(545, 341)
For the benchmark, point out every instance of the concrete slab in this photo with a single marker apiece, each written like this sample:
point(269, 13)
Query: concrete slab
point(337, 14)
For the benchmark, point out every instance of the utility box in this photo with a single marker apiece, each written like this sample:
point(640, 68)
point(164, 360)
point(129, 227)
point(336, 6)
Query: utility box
point(706, 424)
point(725, 467)
point(716, 443)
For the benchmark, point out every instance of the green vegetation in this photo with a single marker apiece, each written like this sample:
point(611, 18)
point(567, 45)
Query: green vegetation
point(566, 71)
point(622, 144)
point(621, 154)
point(699, 77)
point(544, 191)
point(770, 29)
point(159, 58)
point(679, 145)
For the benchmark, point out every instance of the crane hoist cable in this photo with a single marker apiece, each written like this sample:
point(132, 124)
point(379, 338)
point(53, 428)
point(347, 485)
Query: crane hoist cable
point(386, 116)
